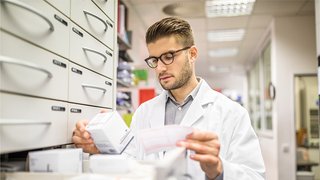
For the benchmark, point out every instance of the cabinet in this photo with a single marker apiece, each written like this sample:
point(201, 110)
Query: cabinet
point(56, 67)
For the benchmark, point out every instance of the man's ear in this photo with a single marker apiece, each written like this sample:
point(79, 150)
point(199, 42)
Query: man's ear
point(193, 53)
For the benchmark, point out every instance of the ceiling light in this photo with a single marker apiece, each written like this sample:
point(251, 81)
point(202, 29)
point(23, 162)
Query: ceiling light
point(216, 69)
point(226, 35)
point(223, 52)
point(220, 8)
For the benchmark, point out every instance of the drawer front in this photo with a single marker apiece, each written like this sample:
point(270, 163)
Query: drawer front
point(88, 52)
point(92, 19)
point(37, 22)
point(87, 87)
point(32, 70)
point(108, 7)
point(79, 112)
point(29, 123)
point(62, 5)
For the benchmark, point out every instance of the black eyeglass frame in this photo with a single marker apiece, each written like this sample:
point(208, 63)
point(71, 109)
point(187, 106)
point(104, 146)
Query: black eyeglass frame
point(162, 55)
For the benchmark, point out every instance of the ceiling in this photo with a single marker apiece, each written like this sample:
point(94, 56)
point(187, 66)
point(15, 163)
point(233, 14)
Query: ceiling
point(255, 25)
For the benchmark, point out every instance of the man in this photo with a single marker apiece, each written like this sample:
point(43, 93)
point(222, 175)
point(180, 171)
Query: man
point(224, 144)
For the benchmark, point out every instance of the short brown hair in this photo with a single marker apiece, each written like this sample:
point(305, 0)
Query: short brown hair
point(171, 26)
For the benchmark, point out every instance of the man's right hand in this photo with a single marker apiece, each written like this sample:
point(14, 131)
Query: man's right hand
point(82, 139)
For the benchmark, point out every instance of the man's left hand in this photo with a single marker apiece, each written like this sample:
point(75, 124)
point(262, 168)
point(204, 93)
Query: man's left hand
point(206, 147)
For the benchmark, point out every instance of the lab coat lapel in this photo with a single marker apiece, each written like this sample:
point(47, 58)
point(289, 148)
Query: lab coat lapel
point(159, 111)
point(197, 108)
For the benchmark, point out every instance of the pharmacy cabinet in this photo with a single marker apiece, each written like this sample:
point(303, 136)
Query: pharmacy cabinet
point(93, 20)
point(62, 5)
point(36, 21)
point(56, 68)
point(79, 112)
point(28, 123)
point(32, 70)
point(87, 87)
point(108, 7)
point(90, 53)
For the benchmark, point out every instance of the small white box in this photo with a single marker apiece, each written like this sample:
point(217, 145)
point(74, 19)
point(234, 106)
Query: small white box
point(109, 132)
point(56, 160)
point(107, 163)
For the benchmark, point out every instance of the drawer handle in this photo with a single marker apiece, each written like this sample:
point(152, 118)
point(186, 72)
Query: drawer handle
point(93, 87)
point(31, 9)
point(93, 15)
point(8, 60)
point(5, 122)
point(94, 51)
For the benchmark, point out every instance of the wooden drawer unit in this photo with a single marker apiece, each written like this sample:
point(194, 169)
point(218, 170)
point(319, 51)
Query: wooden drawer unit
point(86, 14)
point(31, 70)
point(89, 52)
point(29, 123)
point(79, 112)
point(108, 7)
point(37, 22)
point(87, 87)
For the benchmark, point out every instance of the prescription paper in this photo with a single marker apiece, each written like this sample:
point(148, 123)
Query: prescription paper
point(160, 139)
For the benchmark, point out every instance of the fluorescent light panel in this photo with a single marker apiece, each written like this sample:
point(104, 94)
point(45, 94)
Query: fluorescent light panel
point(223, 52)
point(221, 8)
point(226, 35)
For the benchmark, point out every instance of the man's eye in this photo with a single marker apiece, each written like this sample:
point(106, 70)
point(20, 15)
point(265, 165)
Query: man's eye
point(167, 56)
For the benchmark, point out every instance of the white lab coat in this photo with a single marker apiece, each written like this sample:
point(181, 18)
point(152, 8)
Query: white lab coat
point(211, 111)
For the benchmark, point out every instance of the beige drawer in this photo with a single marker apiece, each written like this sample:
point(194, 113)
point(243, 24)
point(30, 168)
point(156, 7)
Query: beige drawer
point(108, 7)
point(79, 112)
point(87, 51)
point(62, 5)
point(87, 15)
point(87, 87)
point(31, 70)
point(37, 22)
point(29, 123)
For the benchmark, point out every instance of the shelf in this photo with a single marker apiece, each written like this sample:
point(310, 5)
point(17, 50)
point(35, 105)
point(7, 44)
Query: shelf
point(124, 44)
point(123, 84)
point(125, 56)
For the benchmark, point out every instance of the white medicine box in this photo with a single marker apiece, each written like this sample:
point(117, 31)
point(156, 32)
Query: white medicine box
point(109, 132)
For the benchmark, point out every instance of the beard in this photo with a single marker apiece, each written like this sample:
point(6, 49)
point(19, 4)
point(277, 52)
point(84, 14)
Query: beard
point(181, 79)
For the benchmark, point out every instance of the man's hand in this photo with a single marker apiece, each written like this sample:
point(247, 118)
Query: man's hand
point(82, 139)
point(206, 147)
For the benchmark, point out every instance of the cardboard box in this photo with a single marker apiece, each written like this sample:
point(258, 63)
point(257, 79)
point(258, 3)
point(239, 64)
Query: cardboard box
point(109, 132)
point(56, 160)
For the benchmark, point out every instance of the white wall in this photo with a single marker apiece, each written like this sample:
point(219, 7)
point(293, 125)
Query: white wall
point(294, 52)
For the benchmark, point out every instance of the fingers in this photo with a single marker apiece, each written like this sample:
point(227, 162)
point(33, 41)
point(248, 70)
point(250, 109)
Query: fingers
point(104, 110)
point(202, 135)
point(205, 158)
point(81, 125)
point(210, 147)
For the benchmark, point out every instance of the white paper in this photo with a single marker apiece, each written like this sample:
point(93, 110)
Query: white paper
point(160, 139)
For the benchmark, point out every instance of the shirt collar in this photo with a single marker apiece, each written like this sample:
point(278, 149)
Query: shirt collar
point(191, 95)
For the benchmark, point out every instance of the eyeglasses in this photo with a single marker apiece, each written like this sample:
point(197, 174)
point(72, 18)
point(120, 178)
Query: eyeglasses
point(166, 58)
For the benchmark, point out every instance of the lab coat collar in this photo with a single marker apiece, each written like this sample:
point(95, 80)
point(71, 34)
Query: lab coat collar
point(205, 96)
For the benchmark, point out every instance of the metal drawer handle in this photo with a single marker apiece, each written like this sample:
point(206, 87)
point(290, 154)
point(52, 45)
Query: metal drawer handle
point(8, 60)
point(6, 122)
point(29, 8)
point(94, 51)
point(93, 15)
point(93, 87)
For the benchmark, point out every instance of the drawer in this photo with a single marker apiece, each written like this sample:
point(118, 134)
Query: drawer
point(87, 87)
point(31, 70)
point(108, 7)
point(37, 22)
point(87, 15)
point(90, 53)
point(62, 5)
point(79, 112)
point(29, 123)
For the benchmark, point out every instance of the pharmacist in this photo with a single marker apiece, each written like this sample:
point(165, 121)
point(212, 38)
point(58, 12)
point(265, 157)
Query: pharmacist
point(224, 144)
